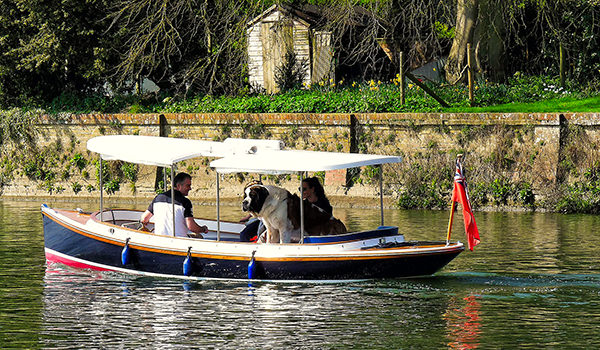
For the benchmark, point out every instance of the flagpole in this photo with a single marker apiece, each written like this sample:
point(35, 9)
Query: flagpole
point(450, 222)
point(453, 208)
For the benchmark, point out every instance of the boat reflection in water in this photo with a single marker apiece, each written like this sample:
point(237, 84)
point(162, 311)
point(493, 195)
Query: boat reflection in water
point(111, 310)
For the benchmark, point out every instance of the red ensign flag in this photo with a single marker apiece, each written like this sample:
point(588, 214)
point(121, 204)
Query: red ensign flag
point(460, 194)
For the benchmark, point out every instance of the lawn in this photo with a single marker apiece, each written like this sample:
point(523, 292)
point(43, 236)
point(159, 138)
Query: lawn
point(591, 104)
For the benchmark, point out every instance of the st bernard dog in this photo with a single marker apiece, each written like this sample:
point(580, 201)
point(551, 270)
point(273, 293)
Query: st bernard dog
point(280, 212)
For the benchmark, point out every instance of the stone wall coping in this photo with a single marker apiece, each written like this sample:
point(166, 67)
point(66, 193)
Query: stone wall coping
point(324, 119)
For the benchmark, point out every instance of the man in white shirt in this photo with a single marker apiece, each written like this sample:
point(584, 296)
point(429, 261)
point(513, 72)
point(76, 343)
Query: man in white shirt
point(162, 210)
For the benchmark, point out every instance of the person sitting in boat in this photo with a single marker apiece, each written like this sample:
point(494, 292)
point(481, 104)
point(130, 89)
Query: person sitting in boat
point(313, 191)
point(162, 210)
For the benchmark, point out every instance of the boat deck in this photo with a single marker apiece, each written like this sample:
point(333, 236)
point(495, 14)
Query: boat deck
point(81, 218)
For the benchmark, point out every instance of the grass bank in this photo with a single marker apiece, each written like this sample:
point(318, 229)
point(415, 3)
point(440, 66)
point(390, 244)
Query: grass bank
point(565, 104)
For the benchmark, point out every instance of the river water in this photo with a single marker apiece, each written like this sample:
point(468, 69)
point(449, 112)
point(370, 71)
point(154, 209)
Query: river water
point(533, 282)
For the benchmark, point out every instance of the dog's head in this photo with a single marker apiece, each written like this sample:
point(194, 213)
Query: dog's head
point(254, 198)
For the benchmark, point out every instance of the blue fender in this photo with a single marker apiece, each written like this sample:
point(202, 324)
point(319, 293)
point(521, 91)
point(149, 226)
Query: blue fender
point(252, 266)
point(187, 263)
point(125, 254)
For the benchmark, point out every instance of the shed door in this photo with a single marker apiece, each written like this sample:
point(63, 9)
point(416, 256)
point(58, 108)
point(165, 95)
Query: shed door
point(322, 68)
point(277, 39)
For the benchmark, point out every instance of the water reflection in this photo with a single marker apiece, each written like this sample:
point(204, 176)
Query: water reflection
point(153, 312)
point(463, 323)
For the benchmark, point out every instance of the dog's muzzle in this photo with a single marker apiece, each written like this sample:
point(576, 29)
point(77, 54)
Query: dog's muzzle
point(245, 205)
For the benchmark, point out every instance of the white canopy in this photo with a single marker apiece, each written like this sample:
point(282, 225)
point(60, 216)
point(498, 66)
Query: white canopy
point(282, 162)
point(165, 151)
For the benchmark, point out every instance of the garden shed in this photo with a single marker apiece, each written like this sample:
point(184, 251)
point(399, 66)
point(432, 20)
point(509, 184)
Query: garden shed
point(285, 29)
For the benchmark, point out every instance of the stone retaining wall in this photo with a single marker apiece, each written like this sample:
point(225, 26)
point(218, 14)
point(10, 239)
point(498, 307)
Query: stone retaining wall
point(521, 147)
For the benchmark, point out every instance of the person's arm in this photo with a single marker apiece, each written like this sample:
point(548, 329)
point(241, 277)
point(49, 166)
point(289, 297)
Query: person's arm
point(194, 227)
point(245, 218)
point(145, 219)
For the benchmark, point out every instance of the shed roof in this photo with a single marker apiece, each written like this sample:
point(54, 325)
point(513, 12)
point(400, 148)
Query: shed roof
point(310, 15)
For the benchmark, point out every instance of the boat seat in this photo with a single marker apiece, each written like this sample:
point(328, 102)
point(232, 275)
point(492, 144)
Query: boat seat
point(136, 225)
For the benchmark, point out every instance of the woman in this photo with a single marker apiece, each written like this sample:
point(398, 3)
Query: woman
point(313, 191)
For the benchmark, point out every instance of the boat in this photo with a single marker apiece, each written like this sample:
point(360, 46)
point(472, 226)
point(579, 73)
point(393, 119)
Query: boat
point(114, 239)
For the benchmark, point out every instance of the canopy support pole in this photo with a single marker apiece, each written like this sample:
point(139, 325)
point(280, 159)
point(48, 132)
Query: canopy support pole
point(101, 191)
point(301, 209)
point(381, 191)
point(173, 195)
point(218, 209)
point(165, 179)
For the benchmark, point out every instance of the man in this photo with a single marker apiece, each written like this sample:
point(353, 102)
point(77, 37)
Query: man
point(162, 208)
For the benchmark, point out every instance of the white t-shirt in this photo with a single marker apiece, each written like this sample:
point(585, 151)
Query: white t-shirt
point(162, 209)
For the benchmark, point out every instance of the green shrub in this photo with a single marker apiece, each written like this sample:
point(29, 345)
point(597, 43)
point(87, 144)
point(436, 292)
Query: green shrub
point(525, 195)
point(78, 161)
point(130, 171)
point(112, 186)
point(76, 187)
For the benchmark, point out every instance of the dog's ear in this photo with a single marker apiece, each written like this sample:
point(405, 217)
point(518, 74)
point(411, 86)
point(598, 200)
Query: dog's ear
point(262, 191)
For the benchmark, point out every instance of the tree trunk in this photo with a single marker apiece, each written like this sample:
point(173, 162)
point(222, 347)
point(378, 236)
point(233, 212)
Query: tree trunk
point(488, 40)
point(466, 20)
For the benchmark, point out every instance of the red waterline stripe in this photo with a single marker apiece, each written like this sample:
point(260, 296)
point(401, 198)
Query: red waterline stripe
point(52, 258)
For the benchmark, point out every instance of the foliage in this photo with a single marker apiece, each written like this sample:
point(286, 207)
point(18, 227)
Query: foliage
point(50, 47)
point(130, 171)
point(371, 96)
point(582, 196)
point(426, 184)
point(187, 45)
point(112, 186)
point(17, 126)
point(76, 52)
point(290, 75)
point(76, 187)
point(78, 161)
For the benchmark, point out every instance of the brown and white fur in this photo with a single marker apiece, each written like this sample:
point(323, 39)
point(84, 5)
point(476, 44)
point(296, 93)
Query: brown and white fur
point(280, 212)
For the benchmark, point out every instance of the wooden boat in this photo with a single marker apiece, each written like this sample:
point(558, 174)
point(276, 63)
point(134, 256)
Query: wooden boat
point(112, 240)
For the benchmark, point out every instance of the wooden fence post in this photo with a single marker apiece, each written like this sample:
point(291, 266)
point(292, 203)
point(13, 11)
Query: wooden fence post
point(561, 54)
point(470, 73)
point(402, 92)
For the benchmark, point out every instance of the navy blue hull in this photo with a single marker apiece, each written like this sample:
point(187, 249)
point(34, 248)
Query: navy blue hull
point(74, 244)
